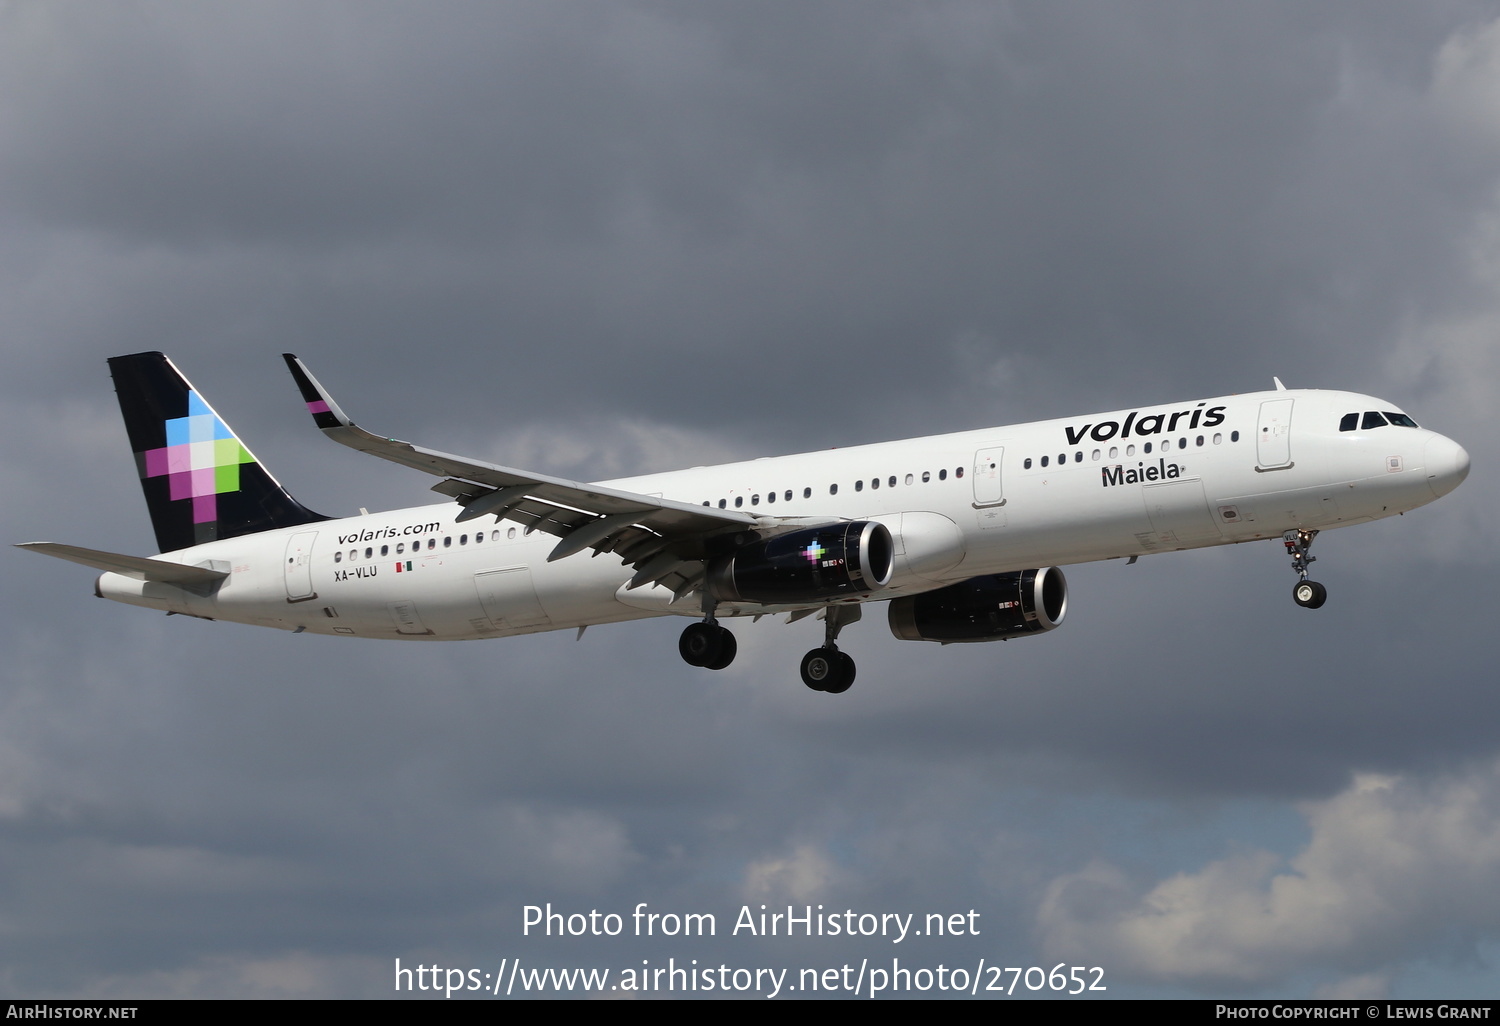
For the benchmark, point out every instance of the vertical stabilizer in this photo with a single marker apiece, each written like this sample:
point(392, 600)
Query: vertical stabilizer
point(201, 483)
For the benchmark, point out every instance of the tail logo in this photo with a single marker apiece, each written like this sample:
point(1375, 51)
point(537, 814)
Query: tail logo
point(201, 459)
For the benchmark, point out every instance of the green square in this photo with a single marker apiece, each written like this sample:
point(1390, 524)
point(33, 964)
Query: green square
point(229, 452)
point(227, 478)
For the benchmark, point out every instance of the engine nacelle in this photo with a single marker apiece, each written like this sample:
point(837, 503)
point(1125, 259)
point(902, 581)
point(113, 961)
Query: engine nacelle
point(852, 558)
point(991, 608)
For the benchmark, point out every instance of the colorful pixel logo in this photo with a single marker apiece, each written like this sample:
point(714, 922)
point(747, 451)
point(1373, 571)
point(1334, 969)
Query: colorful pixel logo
point(814, 552)
point(201, 460)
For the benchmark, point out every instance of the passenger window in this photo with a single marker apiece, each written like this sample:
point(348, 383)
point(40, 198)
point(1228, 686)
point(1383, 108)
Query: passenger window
point(739, 500)
point(874, 482)
point(1097, 454)
point(338, 557)
point(807, 493)
point(1078, 457)
point(722, 503)
point(1182, 443)
point(859, 485)
point(943, 474)
point(1218, 437)
point(1062, 458)
point(1027, 464)
point(463, 539)
point(1114, 452)
point(959, 472)
point(353, 555)
point(447, 543)
point(511, 534)
point(788, 495)
point(833, 489)
point(1146, 448)
point(1372, 420)
point(1044, 461)
point(1234, 436)
point(1200, 441)
point(926, 476)
point(385, 550)
point(910, 479)
point(1349, 422)
point(892, 481)
point(770, 496)
point(1129, 451)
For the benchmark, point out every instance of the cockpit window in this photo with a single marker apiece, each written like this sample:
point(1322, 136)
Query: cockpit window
point(1399, 419)
point(1372, 420)
point(1350, 422)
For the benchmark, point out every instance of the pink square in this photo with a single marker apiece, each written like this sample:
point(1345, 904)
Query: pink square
point(182, 485)
point(205, 509)
point(203, 482)
point(179, 459)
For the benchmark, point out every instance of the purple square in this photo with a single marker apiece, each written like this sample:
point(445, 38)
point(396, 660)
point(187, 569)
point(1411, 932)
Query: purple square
point(205, 509)
point(182, 485)
point(156, 462)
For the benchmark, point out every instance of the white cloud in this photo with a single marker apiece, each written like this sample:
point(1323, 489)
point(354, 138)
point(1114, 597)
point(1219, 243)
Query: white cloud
point(1466, 82)
point(1392, 866)
point(804, 875)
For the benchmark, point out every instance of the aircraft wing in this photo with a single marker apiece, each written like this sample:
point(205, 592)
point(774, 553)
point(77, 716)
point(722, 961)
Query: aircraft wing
point(659, 536)
point(138, 567)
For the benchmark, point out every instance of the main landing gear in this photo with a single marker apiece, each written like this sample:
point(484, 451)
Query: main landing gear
point(1308, 594)
point(707, 644)
point(827, 669)
point(713, 647)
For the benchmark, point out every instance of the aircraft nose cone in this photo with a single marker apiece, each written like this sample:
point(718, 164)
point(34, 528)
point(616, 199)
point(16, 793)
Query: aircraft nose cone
point(1447, 465)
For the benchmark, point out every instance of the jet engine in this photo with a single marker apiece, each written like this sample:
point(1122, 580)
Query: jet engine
point(850, 558)
point(991, 608)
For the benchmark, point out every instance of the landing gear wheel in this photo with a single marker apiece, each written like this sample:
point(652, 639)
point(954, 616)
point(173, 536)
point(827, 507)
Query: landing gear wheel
point(827, 669)
point(1309, 594)
point(727, 648)
point(702, 644)
point(846, 678)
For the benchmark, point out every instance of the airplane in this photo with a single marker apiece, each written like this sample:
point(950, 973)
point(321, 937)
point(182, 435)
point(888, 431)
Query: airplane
point(958, 533)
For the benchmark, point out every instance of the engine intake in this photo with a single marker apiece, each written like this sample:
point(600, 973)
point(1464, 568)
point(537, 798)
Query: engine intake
point(991, 608)
point(852, 558)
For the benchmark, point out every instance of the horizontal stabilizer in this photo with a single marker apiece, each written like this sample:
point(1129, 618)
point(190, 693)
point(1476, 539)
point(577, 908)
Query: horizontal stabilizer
point(138, 567)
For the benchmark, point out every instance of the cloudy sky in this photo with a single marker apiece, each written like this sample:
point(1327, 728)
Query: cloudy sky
point(596, 239)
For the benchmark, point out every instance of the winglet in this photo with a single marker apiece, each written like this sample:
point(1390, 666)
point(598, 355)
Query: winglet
point(335, 423)
point(1279, 386)
point(326, 413)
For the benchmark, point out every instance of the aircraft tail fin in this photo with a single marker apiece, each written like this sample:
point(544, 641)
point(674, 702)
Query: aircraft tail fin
point(201, 483)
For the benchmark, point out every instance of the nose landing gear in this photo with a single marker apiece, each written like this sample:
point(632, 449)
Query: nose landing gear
point(1308, 594)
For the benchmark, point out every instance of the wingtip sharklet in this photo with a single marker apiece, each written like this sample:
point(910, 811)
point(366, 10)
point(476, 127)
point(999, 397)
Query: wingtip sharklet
point(325, 412)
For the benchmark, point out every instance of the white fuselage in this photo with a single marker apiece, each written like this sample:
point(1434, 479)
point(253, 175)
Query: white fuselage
point(961, 505)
